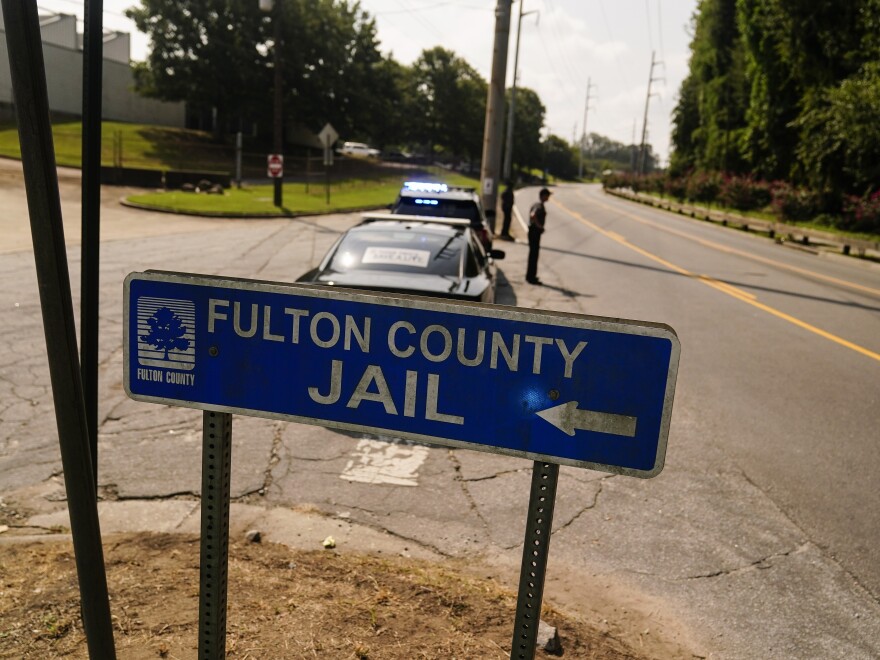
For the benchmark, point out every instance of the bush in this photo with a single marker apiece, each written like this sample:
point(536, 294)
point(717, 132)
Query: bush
point(744, 193)
point(797, 204)
point(654, 182)
point(703, 187)
point(862, 213)
point(616, 180)
point(676, 187)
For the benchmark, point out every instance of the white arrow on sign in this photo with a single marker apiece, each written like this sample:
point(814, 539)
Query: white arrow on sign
point(568, 418)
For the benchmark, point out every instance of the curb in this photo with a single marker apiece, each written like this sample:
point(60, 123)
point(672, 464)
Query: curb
point(299, 529)
point(244, 216)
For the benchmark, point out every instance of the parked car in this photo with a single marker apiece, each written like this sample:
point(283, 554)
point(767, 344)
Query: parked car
point(427, 256)
point(358, 149)
point(439, 199)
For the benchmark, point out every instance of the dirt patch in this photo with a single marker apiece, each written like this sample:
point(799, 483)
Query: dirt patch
point(283, 603)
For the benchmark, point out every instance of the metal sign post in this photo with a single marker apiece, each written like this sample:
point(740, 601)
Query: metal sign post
point(214, 552)
point(328, 137)
point(93, 58)
point(536, 548)
point(44, 207)
point(560, 388)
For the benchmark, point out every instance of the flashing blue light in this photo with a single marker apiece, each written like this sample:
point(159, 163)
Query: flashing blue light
point(421, 186)
point(431, 202)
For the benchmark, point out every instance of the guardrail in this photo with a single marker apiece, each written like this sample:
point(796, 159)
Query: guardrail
point(776, 230)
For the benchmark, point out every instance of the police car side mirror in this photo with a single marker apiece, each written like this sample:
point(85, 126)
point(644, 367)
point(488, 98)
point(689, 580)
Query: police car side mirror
point(497, 254)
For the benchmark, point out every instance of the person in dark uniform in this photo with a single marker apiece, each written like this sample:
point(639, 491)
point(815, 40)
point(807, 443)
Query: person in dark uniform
point(537, 220)
point(507, 209)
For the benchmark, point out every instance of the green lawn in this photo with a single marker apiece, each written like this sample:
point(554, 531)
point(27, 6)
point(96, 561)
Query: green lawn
point(132, 145)
point(258, 200)
point(161, 148)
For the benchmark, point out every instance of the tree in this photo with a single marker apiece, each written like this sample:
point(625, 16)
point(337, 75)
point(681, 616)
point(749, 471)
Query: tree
point(166, 332)
point(710, 117)
point(607, 154)
point(560, 157)
point(217, 55)
point(809, 60)
point(448, 103)
point(204, 52)
point(527, 124)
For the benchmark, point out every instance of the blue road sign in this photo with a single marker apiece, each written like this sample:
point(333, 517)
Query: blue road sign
point(549, 386)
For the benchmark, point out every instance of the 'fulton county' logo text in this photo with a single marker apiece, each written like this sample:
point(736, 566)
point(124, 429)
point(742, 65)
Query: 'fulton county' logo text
point(166, 339)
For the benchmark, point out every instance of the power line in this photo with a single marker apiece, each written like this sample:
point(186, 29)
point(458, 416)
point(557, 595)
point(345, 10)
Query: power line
point(414, 11)
point(611, 38)
point(660, 34)
point(557, 43)
point(650, 31)
point(429, 7)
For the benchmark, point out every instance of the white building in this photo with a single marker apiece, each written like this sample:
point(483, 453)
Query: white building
point(62, 53)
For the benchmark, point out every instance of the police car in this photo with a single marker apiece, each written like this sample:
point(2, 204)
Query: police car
point(442, 200)
point(422, 255)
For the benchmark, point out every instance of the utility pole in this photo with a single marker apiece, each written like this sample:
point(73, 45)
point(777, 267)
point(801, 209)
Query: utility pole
point(642, 148)
point(277, 110)
point(492, 134)
point(508, 151)
point(584, 129)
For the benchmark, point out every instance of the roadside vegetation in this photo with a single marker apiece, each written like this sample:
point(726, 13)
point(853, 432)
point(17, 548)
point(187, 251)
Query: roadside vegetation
point(775, 201)
point(780, 111)
point(132, 145)
point(299, 198)
point(258, 200)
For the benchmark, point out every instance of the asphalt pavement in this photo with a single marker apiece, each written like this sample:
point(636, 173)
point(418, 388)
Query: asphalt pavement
point(732, 552)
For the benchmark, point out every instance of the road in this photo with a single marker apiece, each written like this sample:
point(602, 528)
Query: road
point(757, 540)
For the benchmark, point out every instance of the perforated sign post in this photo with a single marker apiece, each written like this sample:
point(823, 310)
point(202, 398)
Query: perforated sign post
point(328, 137)
point(552, 387)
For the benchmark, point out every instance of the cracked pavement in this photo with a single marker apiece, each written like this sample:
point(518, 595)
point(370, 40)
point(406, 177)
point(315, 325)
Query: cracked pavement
point(701, 554)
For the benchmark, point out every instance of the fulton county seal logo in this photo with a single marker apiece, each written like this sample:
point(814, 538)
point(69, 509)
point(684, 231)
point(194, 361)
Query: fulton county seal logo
point(166, 330)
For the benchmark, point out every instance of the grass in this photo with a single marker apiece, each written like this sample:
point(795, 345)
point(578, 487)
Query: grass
point(769, 216)
point(131, 145)
point(258, 200)
point(282, 602)
point(161, 148)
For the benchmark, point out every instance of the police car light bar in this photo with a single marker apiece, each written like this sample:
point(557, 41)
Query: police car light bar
point(422, 186)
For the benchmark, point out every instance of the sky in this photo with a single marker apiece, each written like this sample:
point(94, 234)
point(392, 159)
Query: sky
point(564, 45)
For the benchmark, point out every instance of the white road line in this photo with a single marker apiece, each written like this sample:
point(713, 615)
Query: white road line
point(386, 461)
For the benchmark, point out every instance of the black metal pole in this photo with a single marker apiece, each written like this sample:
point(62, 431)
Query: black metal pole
point(24, 45)
point(279, 95)
point(93, 55)
point(542, 500)
point(216, 471)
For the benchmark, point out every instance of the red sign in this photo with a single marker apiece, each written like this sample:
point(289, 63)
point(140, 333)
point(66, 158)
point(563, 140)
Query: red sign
point(275, 165)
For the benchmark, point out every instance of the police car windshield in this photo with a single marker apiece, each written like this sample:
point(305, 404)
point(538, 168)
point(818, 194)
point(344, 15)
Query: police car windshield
point(399, 251)
point(445, 208)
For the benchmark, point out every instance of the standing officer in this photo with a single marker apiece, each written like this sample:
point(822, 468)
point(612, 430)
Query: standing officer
point(507, 209)
point(537, 218)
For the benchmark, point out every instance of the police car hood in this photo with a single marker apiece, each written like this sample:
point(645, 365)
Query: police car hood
point(389, 281)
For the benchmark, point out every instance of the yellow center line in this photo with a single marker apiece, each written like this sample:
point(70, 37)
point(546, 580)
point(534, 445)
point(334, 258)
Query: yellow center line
point(723, 287)
point(727, 288)
point(731, 250)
